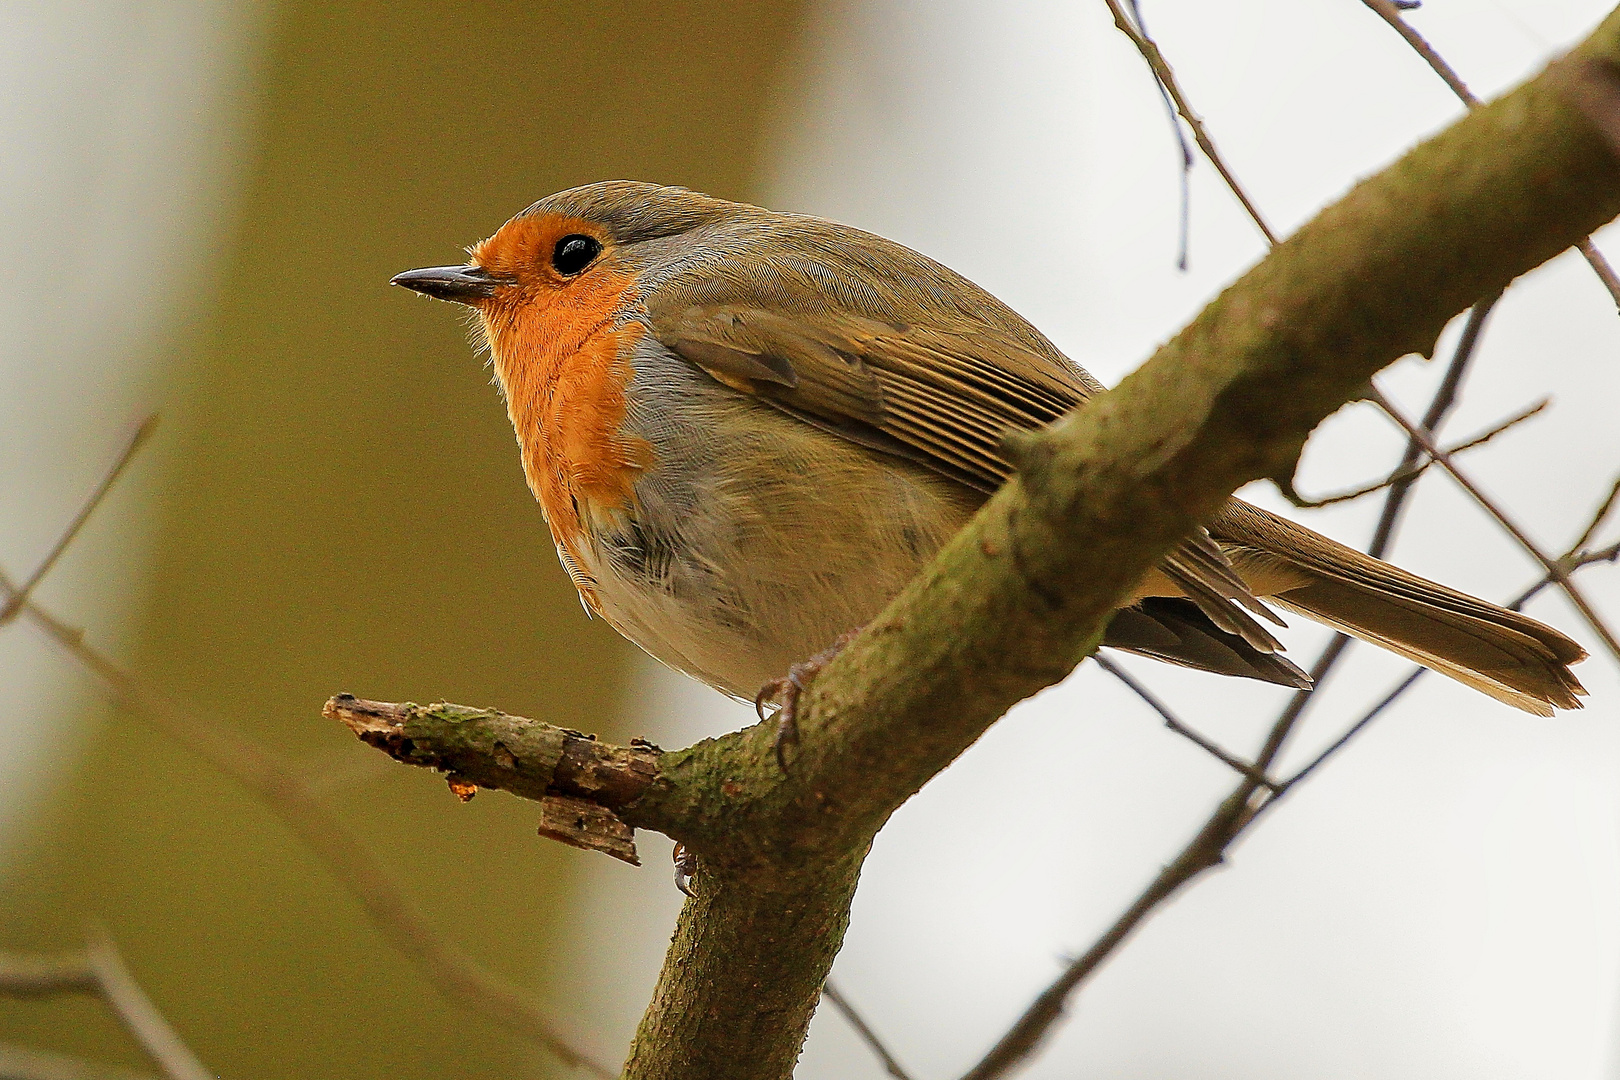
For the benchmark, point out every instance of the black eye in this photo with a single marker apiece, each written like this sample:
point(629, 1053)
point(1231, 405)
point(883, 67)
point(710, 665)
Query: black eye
point(574, 253)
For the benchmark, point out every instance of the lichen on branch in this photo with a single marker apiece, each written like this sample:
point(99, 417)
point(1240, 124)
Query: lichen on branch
point(580, 783)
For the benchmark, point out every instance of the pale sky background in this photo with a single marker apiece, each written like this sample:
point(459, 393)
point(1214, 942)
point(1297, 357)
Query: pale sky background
point(1445, 900)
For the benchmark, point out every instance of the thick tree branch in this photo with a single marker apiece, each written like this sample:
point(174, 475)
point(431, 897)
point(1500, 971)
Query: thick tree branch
point(1390, 12)
point(1017, 598)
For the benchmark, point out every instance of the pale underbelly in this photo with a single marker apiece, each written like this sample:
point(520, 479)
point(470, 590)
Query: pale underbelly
point(739, 561)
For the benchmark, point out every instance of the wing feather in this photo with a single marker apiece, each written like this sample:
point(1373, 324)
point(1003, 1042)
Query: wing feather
point(944, 394)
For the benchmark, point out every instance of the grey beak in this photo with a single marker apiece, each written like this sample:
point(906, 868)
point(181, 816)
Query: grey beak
point(461, 284)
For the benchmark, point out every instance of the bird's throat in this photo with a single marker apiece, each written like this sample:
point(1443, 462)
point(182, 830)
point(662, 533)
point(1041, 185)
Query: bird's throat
point(563, 358)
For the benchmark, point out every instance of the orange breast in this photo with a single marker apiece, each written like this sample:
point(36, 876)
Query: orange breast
point(565, 368)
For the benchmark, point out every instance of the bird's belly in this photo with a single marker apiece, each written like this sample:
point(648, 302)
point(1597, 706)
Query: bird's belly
point(756, 539)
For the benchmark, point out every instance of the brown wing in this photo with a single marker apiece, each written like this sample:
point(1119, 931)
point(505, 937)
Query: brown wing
point(934, 397)
point(925, 366)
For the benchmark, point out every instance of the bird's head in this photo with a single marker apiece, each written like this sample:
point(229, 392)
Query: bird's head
point(572, 255)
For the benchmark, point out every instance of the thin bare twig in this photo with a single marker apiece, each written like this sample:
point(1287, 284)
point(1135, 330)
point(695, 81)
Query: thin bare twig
point(1167, 80)
point(1390, 12)
point(1412, 472)
point(1177, 725)
point(1601, 267)
point(1184, 231)
point(1235, 816)
point(864, 1030)
point(1350, 733)
point(140, 1016)
point(1608, 554)
point(1572, 560)
point(99, 970)
point(454, 974)
point(8, 611)
point(1205, 851)
point(325, 776)
point(22, 1063)
point(23, 976)
point(1552, 567)
point(1598, 518)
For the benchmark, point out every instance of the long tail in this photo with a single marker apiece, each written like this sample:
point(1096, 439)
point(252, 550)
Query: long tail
point(1509, 656)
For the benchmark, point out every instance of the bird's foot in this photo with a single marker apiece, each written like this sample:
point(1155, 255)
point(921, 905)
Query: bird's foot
point(785, 693)
point(685, 867)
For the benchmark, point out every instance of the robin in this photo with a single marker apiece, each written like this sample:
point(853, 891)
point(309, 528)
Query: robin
point(749, 429)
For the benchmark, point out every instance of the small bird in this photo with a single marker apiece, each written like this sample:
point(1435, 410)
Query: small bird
point(748, 429)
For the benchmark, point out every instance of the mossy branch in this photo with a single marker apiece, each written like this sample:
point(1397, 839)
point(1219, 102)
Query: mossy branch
point(1024, 592)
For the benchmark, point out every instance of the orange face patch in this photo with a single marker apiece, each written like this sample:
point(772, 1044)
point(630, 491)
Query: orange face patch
point(564, 367)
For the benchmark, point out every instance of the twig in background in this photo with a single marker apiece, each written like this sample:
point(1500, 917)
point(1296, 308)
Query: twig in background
point(1552, 567)
point(1390, 12)
point(1184, 232)
point(453, 973)
point(8, 610)
point(98, 970)
point(1600, 266)
point(1440, 406)
point(1177, 725)
point(862, 1029)
point(1167, 82)
point(1350, 733)
point(24, 976)
point(22, 1063)
point(324, 776)
point(1412, 472)
point(139, 1015)
point(1572, 560)
point(1598, 518)
point(1207, 850)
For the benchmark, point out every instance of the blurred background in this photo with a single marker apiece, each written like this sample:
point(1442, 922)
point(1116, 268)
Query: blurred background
point(202, 205)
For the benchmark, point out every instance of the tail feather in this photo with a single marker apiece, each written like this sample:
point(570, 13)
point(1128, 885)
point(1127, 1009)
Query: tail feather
point(1179, 631)
point(1539, 704)
point(1503, 653)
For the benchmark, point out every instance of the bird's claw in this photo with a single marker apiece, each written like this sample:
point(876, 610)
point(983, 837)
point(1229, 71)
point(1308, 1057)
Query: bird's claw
point(685, 867)
point(786, 692)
